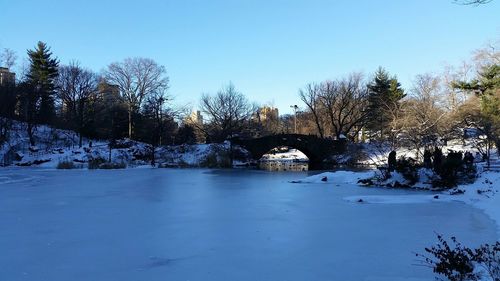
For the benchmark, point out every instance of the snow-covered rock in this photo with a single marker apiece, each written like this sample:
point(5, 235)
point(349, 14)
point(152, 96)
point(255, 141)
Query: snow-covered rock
point(338, 177)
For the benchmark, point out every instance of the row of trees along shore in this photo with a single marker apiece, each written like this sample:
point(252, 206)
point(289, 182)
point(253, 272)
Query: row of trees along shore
point(130, 99)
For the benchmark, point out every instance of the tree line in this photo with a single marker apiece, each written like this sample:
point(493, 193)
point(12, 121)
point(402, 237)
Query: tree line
point(454, 105)
point(130, 99)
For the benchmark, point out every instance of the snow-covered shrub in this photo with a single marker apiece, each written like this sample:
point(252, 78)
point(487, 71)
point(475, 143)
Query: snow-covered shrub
point(455, 262)
point(66, 164)
point(142, 152)
point(460, 263)
point(94, 163)
point(101, 163)
point(454, 169)
point(488, 259)
point(408, 167)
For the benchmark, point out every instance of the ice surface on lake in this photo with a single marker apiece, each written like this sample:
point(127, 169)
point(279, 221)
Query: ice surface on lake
point(193, 224)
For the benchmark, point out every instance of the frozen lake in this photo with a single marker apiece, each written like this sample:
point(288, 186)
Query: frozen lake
point(190, 224)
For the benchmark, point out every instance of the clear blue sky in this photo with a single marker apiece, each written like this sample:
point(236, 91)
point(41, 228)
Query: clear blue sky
point(268, 49)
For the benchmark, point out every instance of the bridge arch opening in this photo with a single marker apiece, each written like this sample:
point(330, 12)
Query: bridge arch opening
point(318, 150)
point(284, 158)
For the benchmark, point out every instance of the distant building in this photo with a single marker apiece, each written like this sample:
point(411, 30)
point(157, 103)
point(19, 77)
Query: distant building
point(7, 77)
point(195, 118)
point(266, 113)
point(110, 89)
point(195, 121)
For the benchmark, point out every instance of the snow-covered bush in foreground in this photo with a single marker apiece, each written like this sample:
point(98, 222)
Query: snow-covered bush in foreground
point(457, 262)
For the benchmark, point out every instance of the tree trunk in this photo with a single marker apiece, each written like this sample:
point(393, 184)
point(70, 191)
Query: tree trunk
point(488, 153)
point(498, 147)
point(153, 160)
point(80, 121)
point(30, 134)
point(318, 125)
point(130, 122)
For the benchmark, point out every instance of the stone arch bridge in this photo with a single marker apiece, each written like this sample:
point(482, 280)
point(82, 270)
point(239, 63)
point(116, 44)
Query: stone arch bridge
point(318, 150)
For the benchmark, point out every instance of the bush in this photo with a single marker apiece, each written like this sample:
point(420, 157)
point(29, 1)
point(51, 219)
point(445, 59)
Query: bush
point(94, 163)
point(427, 159)
point(391, 161)
point(66, 165)
point(408, 167)
point(459, 263)
point(488, 256)
point(101, 163)
point(453, 170)
point(437, 159)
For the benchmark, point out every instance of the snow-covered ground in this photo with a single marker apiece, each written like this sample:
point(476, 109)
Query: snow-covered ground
point(54, 146)
point(376, 153)
point(196, 224)
point(483, 194)
point(336, 178)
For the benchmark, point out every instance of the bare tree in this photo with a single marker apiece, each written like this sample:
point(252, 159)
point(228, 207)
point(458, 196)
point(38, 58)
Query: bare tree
point(472, 2)
point(345, 102)
point(310, 96)
point(486, 56)
point(453, 98)
point(423, 120)
point(137, 79)
point(8, 58)
point(228, 112)
point(75, 86)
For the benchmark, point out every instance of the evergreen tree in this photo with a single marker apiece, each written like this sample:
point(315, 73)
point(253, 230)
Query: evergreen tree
point(41, 75)
point(186, 134)
point(487, 88)
point(384, 95)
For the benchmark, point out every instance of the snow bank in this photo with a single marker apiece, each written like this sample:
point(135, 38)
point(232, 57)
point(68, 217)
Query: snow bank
point(398, 199)
point(377, 153)
point(346, 177)
point(482, 194)
point(54, 146)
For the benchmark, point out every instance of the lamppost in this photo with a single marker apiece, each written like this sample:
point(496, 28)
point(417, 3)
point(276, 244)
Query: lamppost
point(295, 107)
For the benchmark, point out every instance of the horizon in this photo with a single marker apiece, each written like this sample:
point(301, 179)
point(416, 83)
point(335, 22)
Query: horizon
point(268, 56)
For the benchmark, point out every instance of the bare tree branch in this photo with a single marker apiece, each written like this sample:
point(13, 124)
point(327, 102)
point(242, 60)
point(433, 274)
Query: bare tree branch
point(137, 78)
point(471, 2)
point(8, 58)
